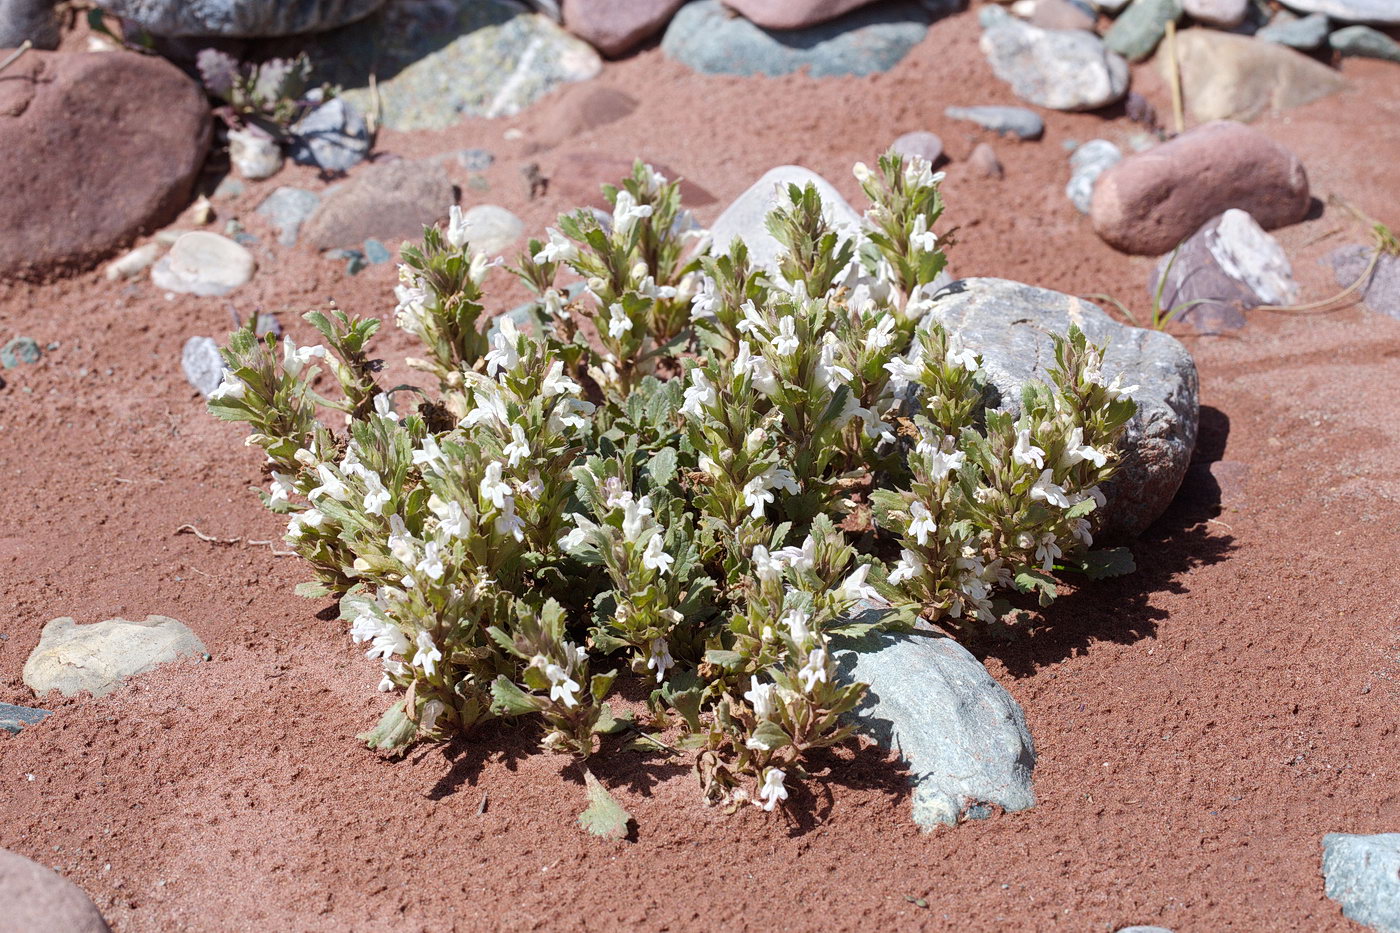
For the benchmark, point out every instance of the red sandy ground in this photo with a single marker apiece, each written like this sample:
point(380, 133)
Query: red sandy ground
point(1200, 724)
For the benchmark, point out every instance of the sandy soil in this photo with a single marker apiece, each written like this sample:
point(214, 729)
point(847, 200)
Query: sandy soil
point(1200, 724)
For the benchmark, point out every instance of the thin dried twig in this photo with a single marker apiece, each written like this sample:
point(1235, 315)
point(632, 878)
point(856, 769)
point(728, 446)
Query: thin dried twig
point(1174, 79)
point(251, 542)
point(13, 57)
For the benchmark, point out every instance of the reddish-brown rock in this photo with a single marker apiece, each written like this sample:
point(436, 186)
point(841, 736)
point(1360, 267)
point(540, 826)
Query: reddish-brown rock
point(390, 201)
point(617, 26)
point(97, 148)
point(792, 14)
point(578, 178)
point(580, 109)
point(37, 900)
point(1151, 201)
point(1061, 14)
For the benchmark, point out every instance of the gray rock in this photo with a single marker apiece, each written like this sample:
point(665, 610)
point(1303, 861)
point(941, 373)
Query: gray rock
point(1381, 291)
point(984, 159)
point(1138, 29)
point(202, 365)
point(288, 208)
point(18, 351)
point(72, 658)
point(1229, 77)
point(962, 735)
point(1227, 267)
point(388, 201)
point(872, 39)
point(1365, 42)
point(920, 143)
point(1379, 12)
point(333, 137)
point(376, 252)
point(14, 718)
point(1009, 324)
point(254, 155)
point(745, 217)
point(28, 19)
point(1305, 33)
point(1052, 68)
point(229, 188)
point(1017, 121)
point(1225, 13)
point(247, 19)
point(203, 263)
point(38, 900)
point(1086, 164)
point(475, 160)
point(438, 62)
point(1362, 873)
point(1063, 14)
point(491, 228)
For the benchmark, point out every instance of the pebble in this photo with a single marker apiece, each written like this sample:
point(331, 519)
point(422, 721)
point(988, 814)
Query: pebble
point(38, 900)
point(792, 14)
point(491, 228)
point(872, 39)
point(1362, 873)
point(202, 364)
point(287, 209)
point(229, 188)
point(1229, 77)
point(1365, 42)
point(19, 351)
point(72, 658)
point(1016, 121)
point(14, 718)
point(920, 143)
point(133, 263)
point(386, 201)
point(203, 263)
point(1223, 13)
point(614, 27)
point(1152, 200)
point(1382, 291)
point(1056, 69)
point(1376, 12)
point(376, 252)
point(333, 137)
point(984, 160)
point(475, 160)
point(1305, 33)
point(1086, 164)
point(1138, 29)
point(746, 217)
point(1063, 14)
point(254, 155)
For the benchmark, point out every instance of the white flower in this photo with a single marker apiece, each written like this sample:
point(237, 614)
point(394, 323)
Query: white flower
point(574, 539)
point(698, 394)
point(702, 306)
point(427, 654)
point(653, 180)
point(799, 558)
point(1026, 453)
point(452, 520)
point(562, 687)
point(1095, 493)
point(282, 488)
point(1046, 551)
point(1076, 451)
point(556, 383)
point(654, 558)
point(855, 588)
point(504, 354)
point(231, 387)
point(1046, 490)
point(904, 370)
point(294, 360)
point(376, 496)
point(814, 671)
point(401, 543)
point(922, 524)
point(959, 355)
point(532, 487)
point(618, 322)
point(509, 523)
point(384, 637)
point(757, 369)
point(626, 213)
point(392, 669)
point(754, 743)
point(773, 790)
point(456, 227)
point(796, 620)
point(910, 566)
point(635, 513)
point(430, 454)
point(310, 518)
point(786, 343)
point(431, 711)
point(648, 288)
point(862, 172)
point(758, 491)
point(558, 249)
point(493, 488)
point(659, 658)
point(384, 406)
point(1079, 527)
point(431, 564)
point(881, 335)
point(943, 458)
point(918, 173)
point(762, 698)
point(570, 413)
point(518, 448)
point(830, 373)
point(330, 486)
point(922, 239)
point(767, 567)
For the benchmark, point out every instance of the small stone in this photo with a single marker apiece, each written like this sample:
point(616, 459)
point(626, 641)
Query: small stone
point(287, 209)
point(19, 351)
point(229, 188)
point(1228, 77)
point(1140, 110)
point(1362, 873)
point(1086, 164)
point(32, 20)
point(133, 263)
point(924, 145)
point(1152, 200)
point(333, 137)
point(475, 160)
point(1056, 69)
point(491, 229)
point(265, 324)
point(1381, 292)
point(745, 218)
point(38, 900)
point(202, 364)
point(14, 718)
point(202, 212)
point(1376, 12)
point(872, 39)
point(202, 263)
point(376, 252)
point(1224, 13)
point(614, 28)
point(984, 160)
point(1305, 34)
point(1016, 121)
point(254, 154)
point(72, 658)
point(1365, 42)
point(1062, 14)
point(1138, 29)
point(793, 14)
point(387, 201)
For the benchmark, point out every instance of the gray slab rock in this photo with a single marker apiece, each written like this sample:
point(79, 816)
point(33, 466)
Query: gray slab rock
point(1138, 29)
point(14, 718)
point(1362, 873)
point(203, 263)
point(1365, 42)
point(1052, 68)
point(1010, 324)
point(38, 900)
point(1086, 164)
point(705, 37)
point(333, 137)
point(1303, 33)
point(245, 19)
point(1381, 290)
point(962, 735)
point(288, 208)
point(73, 658)
point(28, 19)
point(1379, 12)
point(1016, 121)
point(745, 218)
point(202, 365)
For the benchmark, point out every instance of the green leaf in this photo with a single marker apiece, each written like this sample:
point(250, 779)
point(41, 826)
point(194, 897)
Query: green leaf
point(1114, 562)
point(729, 660)
point(509, 700)
point(605, 816)
point(312, 589)
point(394, 731)
point(662, 468)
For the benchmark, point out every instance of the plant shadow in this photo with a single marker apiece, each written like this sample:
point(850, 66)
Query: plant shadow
point(853, 766)
point(1120, 610)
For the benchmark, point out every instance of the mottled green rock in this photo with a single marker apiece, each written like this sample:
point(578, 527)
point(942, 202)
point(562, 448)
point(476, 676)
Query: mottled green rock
point(1136, 32)
point(435, 63)
point(1365, 42)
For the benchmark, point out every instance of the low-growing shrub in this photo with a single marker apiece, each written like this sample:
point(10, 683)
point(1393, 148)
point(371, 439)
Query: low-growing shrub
point(690, 468)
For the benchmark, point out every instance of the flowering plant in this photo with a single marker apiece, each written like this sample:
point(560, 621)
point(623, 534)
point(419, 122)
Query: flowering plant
point(692, 467)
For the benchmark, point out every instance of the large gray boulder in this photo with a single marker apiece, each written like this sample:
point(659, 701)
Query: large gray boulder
point(37, 900)
point(745, 218)
point(1060, 69)
point(1010, 325)
point(248, 19)
point(1362, 873)
point(962, 735)
point(73, 658)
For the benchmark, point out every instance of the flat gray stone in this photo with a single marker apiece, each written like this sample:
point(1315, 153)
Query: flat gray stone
point(38, 900)
point(1303, 33)
point(246, 19)
point(1365, 42)
point(1060, 69)
point(745, 218)
point(705, 37)
point(203, 263)
point(19, 351)
point(1009, 324)
point(1379, 12)
point(14, 718)
point(1138, 29)
point(1381, 291)
point(288, 208)
point(1362, 873)
point(202, 365)
point(962, 735)
point(73, 658)
point(1086, 164)
point(28, 19)
point(1018, 121)
point(333, 137)
point(491, 228)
